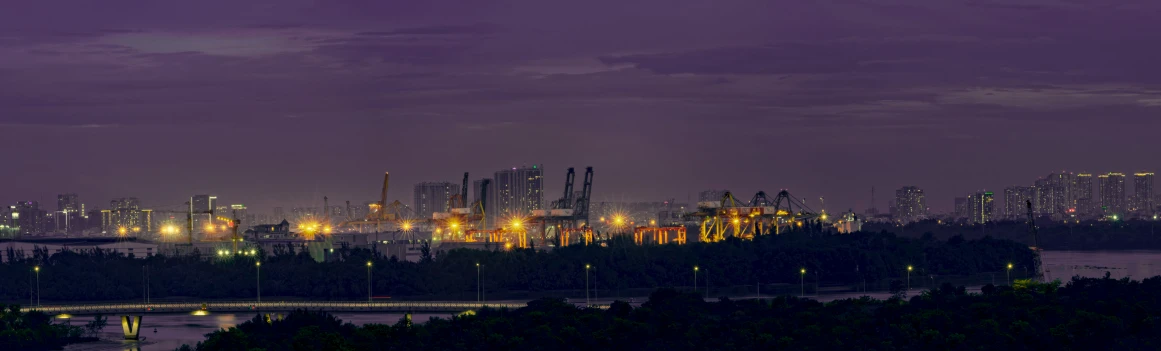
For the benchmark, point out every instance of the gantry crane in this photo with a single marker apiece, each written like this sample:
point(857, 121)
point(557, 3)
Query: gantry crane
point(760, 216)
point(570, 214)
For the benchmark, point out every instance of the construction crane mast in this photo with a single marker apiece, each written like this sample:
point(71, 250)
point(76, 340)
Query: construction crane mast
point(1038, 266)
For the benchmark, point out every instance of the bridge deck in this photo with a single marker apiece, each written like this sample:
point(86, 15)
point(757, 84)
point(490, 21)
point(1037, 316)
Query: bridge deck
point(247, 306)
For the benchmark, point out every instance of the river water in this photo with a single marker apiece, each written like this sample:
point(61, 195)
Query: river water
point(174, 330)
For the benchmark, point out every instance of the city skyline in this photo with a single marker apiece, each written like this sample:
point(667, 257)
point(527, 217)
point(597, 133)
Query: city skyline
point(404, 193)
point(286, 104)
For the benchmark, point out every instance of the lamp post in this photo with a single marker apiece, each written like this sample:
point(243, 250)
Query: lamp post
point(37, 269)
point(587, 302)
point(909, 268)
point(1009, 277)
point(802, 283)
point(258, 280)
point(477, 282)
point(694, 279)
point(368, 283)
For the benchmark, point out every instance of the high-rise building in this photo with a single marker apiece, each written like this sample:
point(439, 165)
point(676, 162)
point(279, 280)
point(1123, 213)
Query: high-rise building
point(961, 208)
point(239, 211)
point(28, 218)
point(980, 207)
point(519, 191)
point(1143, 194)
point(1061, 185)
point(432, 197)
point(910, 205)
point(1112, 191)
point(1016, 201)
point(69, 214)
point(1042, 197)
point(1085, 202)
point(126, 218)
point(203, 208)
point(279, 214)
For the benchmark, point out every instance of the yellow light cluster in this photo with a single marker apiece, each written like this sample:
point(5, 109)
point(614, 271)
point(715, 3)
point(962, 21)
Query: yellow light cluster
point(252, 252)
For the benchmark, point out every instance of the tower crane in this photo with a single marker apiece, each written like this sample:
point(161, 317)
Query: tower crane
point(1038, 266)
point(189, 219)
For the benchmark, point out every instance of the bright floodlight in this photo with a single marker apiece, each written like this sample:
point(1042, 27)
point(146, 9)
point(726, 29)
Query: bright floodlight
point(368, 263)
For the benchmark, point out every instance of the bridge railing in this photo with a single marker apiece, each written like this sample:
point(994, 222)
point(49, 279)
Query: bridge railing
point(253, 305)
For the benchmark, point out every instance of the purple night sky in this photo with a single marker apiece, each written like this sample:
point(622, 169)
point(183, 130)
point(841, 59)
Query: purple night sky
point(268, 102)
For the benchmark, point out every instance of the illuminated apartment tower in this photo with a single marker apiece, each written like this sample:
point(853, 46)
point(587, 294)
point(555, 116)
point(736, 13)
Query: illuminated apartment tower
point(1112, 192)
point(432, 197)
point(519, 191)
point(1143, 195)
point(910, 205)
point(126, 218)
point(1082, 191)
point(203, 219)
point(1016, 201)
point(980, 207)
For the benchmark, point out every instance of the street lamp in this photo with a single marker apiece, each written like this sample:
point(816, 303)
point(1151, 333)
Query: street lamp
point(909, 268)
point(587, 267)
point(477, 282)
point(258, 269)
point(368, 282)
point(37, 269)
point(1009, 275)
point(694, 279)
point(802, 283)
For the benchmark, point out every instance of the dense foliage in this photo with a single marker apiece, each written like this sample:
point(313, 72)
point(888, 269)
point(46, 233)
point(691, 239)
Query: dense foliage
point(1053, 235)
point(35, 331)
point(1086, 314)
point(846, 259)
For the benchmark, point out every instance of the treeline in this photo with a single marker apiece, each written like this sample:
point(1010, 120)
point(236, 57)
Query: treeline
point(35, 331)
point(1086, 314)
point(1053, 235)
point(841, 259)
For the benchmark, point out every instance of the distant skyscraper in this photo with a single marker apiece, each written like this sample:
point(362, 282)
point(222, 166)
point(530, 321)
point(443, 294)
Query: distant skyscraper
point(1143, 194)
point(980, 207)
point(28, 217)
point(239, 211)
point(279, 214)
point(432, 197)
point(910, 205)
point(126, 218)
point(711, 195)
point(1016, 201)
point(1085, 202)
point(1061, 185)
point(1112, 187)
point(961, 208)
point(68, 202)
point(202, 205)
point(519, 191)
point(69, 214)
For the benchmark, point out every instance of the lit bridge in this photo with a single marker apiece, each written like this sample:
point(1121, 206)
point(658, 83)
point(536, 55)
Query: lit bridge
point(279, 306)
